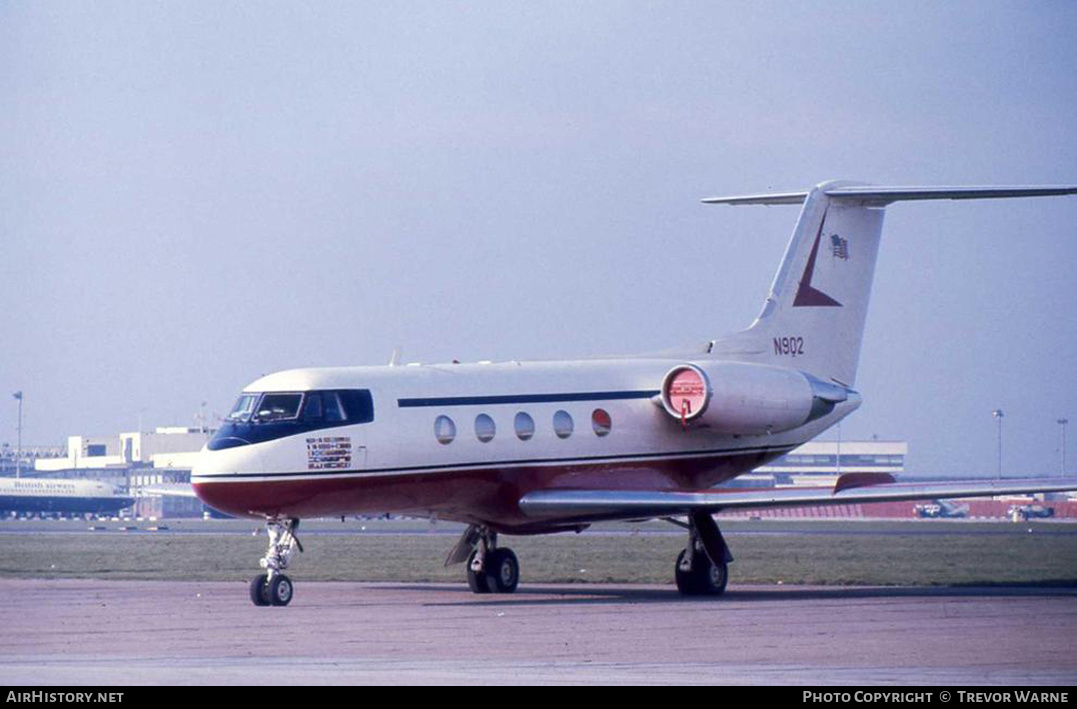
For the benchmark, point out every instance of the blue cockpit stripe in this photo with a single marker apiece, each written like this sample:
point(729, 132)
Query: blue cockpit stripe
point(526, 398)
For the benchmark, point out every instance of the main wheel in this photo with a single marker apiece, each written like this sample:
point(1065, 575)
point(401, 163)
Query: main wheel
point(704, 578)
point(686, 579)
point(476, 581)
point(502, 571)
point(260, 590)
point(713, 579)
point(280, 590)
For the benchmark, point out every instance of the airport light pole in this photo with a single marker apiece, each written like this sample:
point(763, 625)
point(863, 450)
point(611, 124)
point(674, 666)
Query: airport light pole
point(838, 457)
point(18, 449)
point(1062, 456)
point(997, 413)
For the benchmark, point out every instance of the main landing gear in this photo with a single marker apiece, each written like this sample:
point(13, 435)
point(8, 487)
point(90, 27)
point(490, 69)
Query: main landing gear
point(490, 568)
point(703, 566)
point(273, 588)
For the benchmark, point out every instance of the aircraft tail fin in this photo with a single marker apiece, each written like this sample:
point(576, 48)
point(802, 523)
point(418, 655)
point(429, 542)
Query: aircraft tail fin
point(813, 318)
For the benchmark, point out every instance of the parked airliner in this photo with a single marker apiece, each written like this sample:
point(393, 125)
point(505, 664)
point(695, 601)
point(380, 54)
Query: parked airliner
point(56, 496)
point(543, 447)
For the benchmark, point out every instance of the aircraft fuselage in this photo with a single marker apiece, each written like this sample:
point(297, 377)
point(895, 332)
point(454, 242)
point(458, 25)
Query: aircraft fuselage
point(467, 441)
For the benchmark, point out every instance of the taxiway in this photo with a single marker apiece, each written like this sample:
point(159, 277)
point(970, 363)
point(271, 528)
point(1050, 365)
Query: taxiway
point(135, 632)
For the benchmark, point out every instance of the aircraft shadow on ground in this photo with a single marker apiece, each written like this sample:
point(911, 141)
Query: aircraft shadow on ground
point(579, 594)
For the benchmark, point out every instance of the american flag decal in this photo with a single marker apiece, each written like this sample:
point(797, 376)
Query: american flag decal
point(839, 247)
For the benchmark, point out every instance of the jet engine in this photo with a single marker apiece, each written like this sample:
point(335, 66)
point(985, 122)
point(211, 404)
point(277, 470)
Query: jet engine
point(746, 399)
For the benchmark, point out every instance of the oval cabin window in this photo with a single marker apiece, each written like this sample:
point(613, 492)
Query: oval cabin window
point(484, 428)
point(600, 421)
point(562, 424)
point(525, 426)
point(444, 430)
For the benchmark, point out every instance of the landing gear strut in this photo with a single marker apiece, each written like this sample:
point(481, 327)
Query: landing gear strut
point(274, 588)
point(490, 569)
point(703, 566)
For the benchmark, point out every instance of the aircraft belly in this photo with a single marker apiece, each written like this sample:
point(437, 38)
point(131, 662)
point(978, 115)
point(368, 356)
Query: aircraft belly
point(488, 494)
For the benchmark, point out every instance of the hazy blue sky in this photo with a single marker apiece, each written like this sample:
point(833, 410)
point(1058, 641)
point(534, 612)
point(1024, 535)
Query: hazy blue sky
point(193, 194)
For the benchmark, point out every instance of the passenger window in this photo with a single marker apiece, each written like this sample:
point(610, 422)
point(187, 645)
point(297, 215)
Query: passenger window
point(562, 424)
point(444, 430)
point(600, 421)
point(525, 426)
point(485, 430)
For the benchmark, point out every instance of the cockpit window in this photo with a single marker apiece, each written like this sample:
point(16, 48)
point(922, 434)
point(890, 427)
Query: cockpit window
point(325, 406)
point(333, 407)
point(333, 411)
point(358, 405)
point(244, 407)
point(257, 418)
point(312, 409)
point(277, 407)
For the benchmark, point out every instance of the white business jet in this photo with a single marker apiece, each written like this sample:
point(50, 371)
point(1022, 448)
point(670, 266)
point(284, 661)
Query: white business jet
point(543, 447)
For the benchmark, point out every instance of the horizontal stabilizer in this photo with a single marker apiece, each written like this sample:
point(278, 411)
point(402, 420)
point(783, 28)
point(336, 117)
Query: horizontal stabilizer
point(848, 481)
point(634, 504)
point(767, 199)
point(873, 196)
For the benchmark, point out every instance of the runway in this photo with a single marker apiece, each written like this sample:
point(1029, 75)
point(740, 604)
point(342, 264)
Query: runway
point(149, 632)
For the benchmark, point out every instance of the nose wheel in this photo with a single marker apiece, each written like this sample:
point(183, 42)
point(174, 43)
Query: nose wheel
point(274, 588)
point(277, 591)
point(260, 590)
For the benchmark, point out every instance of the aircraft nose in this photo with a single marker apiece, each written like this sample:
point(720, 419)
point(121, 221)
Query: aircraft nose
point(224, 479)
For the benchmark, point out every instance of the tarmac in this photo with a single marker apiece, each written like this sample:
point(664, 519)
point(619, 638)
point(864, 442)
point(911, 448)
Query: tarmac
point(78, 632)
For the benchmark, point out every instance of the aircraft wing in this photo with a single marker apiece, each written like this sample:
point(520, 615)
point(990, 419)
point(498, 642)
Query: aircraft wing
point(852, 488)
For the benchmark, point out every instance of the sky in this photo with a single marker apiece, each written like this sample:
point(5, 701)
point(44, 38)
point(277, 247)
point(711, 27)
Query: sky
point(193, 194)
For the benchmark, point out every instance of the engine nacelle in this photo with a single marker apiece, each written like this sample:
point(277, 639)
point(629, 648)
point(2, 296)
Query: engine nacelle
point(746, 399)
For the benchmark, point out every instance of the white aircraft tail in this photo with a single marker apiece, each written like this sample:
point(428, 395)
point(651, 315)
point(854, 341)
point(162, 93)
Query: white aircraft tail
point(813, 318)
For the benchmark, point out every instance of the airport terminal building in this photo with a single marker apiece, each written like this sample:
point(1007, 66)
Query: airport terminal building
point(153, 467)
point(819, 463)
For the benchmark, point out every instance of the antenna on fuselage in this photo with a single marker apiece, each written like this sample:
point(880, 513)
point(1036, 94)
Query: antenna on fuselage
point(394, 359)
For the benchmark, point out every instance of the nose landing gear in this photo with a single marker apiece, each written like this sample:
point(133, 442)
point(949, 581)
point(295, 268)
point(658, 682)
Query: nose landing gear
point(274, 588)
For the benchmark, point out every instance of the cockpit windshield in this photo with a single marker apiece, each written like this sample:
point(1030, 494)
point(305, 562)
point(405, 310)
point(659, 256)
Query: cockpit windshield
point(278, 407)
point(244, 407)
point(335, 407)
point(260, 417)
